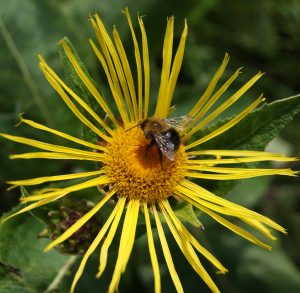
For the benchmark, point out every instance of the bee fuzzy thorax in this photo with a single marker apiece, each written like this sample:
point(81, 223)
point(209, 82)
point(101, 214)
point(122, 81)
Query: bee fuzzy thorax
point(154, 124)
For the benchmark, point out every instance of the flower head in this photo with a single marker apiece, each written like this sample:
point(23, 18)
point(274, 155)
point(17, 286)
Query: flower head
point(146, 159)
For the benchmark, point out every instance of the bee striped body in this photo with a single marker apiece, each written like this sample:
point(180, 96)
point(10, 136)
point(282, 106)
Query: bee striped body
point(164, 133)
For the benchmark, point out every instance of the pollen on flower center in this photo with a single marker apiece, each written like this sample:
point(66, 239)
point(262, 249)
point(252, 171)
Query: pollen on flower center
point(138, 172)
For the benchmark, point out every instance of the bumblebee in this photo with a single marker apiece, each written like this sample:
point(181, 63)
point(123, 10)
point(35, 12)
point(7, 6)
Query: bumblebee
point(164, 133)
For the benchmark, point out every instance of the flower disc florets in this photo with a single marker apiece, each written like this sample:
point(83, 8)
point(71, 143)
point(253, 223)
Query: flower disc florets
point(140, 172)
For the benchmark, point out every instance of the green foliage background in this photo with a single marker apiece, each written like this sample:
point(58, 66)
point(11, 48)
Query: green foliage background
point(259, 35)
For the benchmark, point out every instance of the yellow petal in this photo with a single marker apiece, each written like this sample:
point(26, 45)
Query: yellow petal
point(118, 76)
point(146, 64)
point(239, 174)
point(138, 64)
point(195, 191)
point(110, 236)
point(113, 81)
point(126, 242)
point(210, 102)
point(153, 256)
point(57, 81)
point(88, 83)
point(189, 252)
point(131, 235)
point(176, 66)
point(227, 170)
point(55, 84)
point(198, 163)
point(189, 237)
point(62, 134)
point(238, 230)
point(167, 253)
point(260, 227)
point(225, 105)
point(86, 184)
point(210, 88)
point(50, 147)
point(32, 206)
point(110, 55)
point(239, 213)
point(40, 180)
point(118, 67)
point(93, 246)
point(166, 67)
point(127, 72)
point(228, 125)
point(55, 156)
point(237, 153)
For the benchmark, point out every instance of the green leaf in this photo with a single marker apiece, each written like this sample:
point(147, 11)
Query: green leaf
point(186, 213)
point(24, 267)
point(269, 273)
point(252, 133)
point(256, 130)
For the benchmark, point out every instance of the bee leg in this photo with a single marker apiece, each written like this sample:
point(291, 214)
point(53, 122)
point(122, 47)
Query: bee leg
point(160, 159)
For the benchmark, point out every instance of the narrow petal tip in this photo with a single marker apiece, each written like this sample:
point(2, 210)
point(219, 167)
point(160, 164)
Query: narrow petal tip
point(49, 247)
point(40, 57)
point(98, 275)
point(222, 272)
point(10, 187)
point(21, 119)
point(62, 41)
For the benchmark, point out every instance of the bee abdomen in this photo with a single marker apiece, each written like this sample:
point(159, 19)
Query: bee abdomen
point(173, 136)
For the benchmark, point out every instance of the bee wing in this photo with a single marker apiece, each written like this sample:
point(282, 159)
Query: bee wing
point(179, 123)
point(166, 146)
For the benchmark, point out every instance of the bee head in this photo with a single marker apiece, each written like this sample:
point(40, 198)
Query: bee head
point(142, 124)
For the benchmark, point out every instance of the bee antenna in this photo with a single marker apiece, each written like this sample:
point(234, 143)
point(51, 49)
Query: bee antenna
point(132, 127)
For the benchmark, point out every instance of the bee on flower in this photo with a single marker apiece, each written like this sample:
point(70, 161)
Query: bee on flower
point(148, 158)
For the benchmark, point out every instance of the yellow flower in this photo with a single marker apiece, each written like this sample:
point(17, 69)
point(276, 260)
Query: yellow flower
point(135, 169)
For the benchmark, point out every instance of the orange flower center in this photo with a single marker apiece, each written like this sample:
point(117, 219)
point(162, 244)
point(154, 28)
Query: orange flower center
point(140, 172)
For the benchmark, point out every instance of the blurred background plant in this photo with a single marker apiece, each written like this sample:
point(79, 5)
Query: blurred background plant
point(258, 35)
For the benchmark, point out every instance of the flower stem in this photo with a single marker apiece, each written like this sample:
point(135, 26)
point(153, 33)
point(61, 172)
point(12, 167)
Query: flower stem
point(61, 274)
